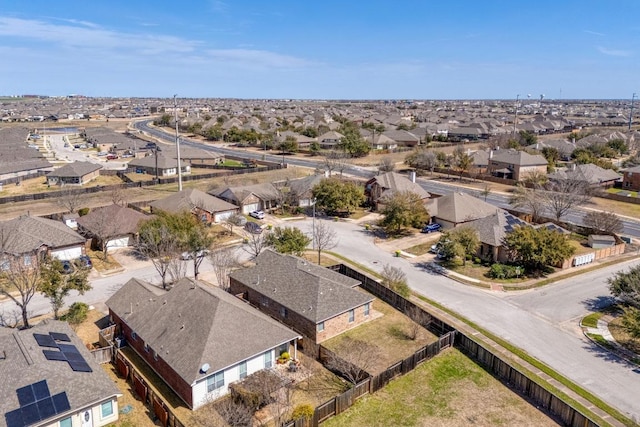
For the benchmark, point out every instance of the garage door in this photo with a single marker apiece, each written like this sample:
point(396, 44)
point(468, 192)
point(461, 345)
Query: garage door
point(221, 216)
point(250, 208)
point(121, 242)
point(67, 254)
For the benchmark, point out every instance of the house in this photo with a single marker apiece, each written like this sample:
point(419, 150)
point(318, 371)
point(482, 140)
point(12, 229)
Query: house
point(28, 236)
point(197, 338)
point(49, 378)
point(71, 220)
point(631, 178)
point(458, 208)
point(166, 166)
point(197, 156)
point(250, 197)
point(330, 139)
point(491, 232)
point(76, 173)
point(17, 159)
point(208, 208)
point(594, 175)
point(301, 189)
point(383, 142)
point(317, 302)
point(387, 184)
point(116, 224)
point(514, 164)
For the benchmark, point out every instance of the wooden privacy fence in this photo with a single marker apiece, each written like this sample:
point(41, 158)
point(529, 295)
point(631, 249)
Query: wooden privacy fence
point(149, 397)
point(103, 354)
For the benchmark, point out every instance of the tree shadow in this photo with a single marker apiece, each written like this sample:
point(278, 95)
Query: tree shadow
point(599, 303)
point(610, 356)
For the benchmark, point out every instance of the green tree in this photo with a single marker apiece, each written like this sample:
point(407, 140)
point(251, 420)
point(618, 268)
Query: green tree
point(56, 284)
point(626, 286)
point(535, 249)
point(77, 313)
point(314, 148)
point(289, 145)
point(449, 249)
point(552, 155)
point(403, 209)
point(396, 280)
point(164, 120)
point(310, 132)
point(336, 195)
point(288, 240)
point(631, 321)
point(459, 242)
point(527, 138)
point(352, 142)
point(619, 145)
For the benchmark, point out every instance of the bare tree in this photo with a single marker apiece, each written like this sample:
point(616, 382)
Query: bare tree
point(159, 245)
point(353, 359)
point(607, 222)
point(421, 320)
point(395, 279)
point(386, 165)
point(103, 228)
point(234, 220)
point(235, 414)
point(336, 161)
point(324, 237)
point(255, 243)
point(224, 261)
point(10, 320)
point(176, 268)
point(486, 191)
point(118, 196)
point(560, 196)
point(70, 199)
point(529, 200)
point(20, 280)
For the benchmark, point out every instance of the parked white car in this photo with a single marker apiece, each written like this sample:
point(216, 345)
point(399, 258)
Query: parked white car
point(257, 214)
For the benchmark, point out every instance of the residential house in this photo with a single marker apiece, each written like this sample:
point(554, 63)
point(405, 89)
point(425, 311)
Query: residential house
point(631, 178)
point(49, 378)
point(466, 134)
point(402, 137)
point(209, 209)
point(383, 142)
point(315, 301)
point(458, 208)
point(197, 338)
point(301, 190)
point(166, 166)
point(387, 184)
point(17, 159)
point(114, 225)
point(329, 140)
point(76, 173)
point(196, 156)
point(514, 164)
point(594, 175)
point(29, 236)
point(491, 231)
point(251, 197)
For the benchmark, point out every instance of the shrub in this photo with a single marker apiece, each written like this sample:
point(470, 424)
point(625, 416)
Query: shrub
point(477, 260)
point(284, 355)
point(77, 313)
point(83, 211)
point(303, 411)
point(502, 271)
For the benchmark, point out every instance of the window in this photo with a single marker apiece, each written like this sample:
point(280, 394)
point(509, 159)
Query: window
point(106, 409)
point(284, 312)
point(65, 423)
point(351, 316)
point(268, 359)
point(155, 355)
point(146, 347)
point(27, 260)
point(215, 382)
point(242, 369)
point(320, 326)
point(264, 301)
point(134, 336)
point(5, 265)
point(367, 308)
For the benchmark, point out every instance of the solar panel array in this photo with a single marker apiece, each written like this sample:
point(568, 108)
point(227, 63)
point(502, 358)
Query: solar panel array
point(511, 222)
point(64, 353)
point(36, 404)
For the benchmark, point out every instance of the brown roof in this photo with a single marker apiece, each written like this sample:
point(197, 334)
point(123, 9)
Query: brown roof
point(459, 207)
point(114, 220)
point(186, 200)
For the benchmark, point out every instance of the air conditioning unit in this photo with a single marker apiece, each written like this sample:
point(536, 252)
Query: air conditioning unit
point(120, 342)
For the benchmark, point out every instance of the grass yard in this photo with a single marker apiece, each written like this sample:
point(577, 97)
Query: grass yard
point(420, 249)
point(388, 332)
point(448, 390)
point(623, 337)
point(39, 185)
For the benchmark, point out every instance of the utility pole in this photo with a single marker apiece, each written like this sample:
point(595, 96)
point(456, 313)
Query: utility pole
point(515, 119)
point(631, 112)
point(175, 111)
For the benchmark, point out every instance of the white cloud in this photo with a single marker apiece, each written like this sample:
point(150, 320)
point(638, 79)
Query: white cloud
point(614, 52)
point(257, 58)
point(595, 33)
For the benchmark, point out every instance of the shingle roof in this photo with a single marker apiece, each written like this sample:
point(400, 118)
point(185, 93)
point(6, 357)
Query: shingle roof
point(521, 158)
point(26, 364)
point(314, 292)
point(114, 220)
point(459, 207)
point(265, 191)
point(75, 169)
point(186, 200)
point(394, 182)
point(493, 228)
point(150, 162)
point(193, 324)
point(28, 233)
point(591, 173)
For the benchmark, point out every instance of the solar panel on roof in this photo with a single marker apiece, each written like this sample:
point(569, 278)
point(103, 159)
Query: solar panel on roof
point(40, 390)
point(25, 395)
point(60, 336)
point(45, 340)
point(67, 348)
point(46, 408)
point(30, 414)
point(80, 366)
point(54, 355)
point(74, 357)
point(61, 402)
point(14, 418)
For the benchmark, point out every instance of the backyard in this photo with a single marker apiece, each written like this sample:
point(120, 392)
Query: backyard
point(448, 390)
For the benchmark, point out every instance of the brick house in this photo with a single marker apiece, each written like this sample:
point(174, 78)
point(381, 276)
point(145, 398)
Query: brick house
point(76, 173)
point(315, 301)
point(631, 178)
point(209, 209)
point(197, 338)
point(387, 184)
point(514, 164)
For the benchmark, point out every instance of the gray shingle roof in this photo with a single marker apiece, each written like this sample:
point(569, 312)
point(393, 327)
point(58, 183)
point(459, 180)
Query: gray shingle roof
point(520, 158)
point(591, 173)
point(75, 169)
point(26, 364)
point(493, 228)
point(28, 233)
point(190, 198)
point(111, 221)
point(193, 324)
point(459, 207)
point(394, 182)
point(314, 292)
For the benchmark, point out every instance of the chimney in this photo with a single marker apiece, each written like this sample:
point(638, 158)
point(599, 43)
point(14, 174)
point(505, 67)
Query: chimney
point(412, 175)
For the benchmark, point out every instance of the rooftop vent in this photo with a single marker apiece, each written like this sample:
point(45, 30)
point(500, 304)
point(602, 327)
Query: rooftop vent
point(204, 368)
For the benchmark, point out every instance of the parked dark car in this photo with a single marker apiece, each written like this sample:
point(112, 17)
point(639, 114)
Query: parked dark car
point(84, 262)
point(67, 267)
point(430, 228)
point(253, 227)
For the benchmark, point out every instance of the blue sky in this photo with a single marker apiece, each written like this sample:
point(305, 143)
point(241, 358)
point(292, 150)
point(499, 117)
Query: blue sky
point(332, 49)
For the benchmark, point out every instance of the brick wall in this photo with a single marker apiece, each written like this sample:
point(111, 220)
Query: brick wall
point(631, 181)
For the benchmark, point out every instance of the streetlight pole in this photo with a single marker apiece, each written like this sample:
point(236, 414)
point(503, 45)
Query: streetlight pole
point(631, 112)
point(175, 111)
point(515, 119)
point(313, 225)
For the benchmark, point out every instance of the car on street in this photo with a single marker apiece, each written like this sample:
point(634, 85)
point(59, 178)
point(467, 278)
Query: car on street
point(430, 228)
point(253, 227)
point(257, 214)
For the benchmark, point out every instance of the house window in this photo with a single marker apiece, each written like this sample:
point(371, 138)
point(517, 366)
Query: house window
point(106, 409)
point(5, 265)
point(367, 308)
point(215, 382)
point(65, 423)
point(242, 369)
point(284, 313)
point(351, 316)
point(268, 359)
point(155, 355)
point(134, 336)
point(146, 347)
point(320, 326)
point(27, 260)
point(264, 301)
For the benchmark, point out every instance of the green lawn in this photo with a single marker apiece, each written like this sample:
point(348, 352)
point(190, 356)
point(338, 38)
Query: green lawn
point(449, 390)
